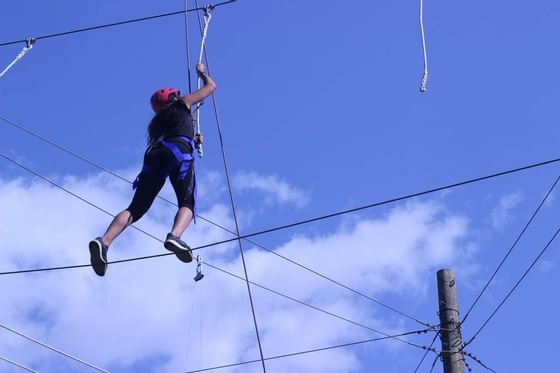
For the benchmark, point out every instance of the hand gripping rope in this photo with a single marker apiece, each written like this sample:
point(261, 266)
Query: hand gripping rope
point(207, 18)
point(29, 44)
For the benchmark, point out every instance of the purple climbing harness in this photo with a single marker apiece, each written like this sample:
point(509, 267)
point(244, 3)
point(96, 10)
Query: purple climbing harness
point(183, 159)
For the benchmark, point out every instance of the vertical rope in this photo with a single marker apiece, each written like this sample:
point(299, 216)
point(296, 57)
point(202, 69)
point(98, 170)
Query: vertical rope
point(234, 211)
point(188, 52)
point(425, 76)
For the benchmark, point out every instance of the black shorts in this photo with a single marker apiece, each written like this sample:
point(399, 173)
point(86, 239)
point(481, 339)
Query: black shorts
point(160, 162)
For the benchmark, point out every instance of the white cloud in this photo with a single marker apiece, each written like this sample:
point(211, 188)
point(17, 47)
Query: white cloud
point(501, 215)
point(152, 310)
point(275, 190)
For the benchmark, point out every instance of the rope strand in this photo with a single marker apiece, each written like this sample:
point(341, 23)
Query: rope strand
point(53, 349)
point(226, 170)
point(21, 128)
point(424, 81)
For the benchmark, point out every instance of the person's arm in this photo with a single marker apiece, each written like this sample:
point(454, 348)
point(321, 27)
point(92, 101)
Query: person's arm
point(200, 94)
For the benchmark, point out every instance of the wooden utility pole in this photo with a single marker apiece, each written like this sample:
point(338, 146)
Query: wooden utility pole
point(450, 329)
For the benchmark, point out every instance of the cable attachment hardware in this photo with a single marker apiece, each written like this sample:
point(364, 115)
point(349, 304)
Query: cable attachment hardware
point(199, 275)
point(29, 42)
point(28, 45)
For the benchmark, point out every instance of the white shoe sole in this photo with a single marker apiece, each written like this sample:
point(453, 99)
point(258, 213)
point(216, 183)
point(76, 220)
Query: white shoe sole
point(96, 258)
point(184, 255)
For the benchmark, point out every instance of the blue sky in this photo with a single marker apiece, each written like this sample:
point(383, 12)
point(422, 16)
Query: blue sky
point(321, 112)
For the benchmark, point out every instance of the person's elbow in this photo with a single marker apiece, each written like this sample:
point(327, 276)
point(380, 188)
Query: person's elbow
point(212, 86)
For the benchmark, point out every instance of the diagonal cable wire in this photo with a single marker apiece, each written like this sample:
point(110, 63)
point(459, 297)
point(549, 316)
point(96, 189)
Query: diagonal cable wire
point(17, 365)
point(230, 191)
point(187, 47)
point(166, 254)
point(479, 361)
point(320, 309)
point(430, 348)
point(112, 24)
point(503, 173)
point(311, 351)
point(511, 249)
point(434, 362)
point(513, 289)
point(53, 349)
point(307, 268)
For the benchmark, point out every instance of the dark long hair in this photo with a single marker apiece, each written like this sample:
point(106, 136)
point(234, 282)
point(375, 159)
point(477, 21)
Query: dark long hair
point(159, 121)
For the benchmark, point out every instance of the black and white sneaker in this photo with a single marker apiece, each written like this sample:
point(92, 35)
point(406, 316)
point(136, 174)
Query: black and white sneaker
point(98, 256)
point(180, 248)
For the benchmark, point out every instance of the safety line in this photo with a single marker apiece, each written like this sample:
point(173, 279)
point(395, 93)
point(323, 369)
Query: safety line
point(397, 199)
point(511, 249)
point(203, 30)
point(53, 349)
point(311, 351)
point(187, 47)
point(25, 130)
point(166, 254)
point(318, 309)
point(513, 289)
point(208, 264)
point(18, 365)
point(74, 194)
point(112, 24)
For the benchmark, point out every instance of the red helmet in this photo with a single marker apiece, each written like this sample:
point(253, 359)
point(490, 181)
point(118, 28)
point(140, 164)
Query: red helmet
point(162, 97)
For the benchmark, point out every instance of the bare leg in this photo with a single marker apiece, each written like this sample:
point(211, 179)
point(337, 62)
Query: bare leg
point(182, 220)
point(117, 226)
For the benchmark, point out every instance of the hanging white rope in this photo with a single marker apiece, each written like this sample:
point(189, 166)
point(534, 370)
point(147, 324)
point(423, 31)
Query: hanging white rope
point(53, 349)
point(207, 18)
point(425, 76)
point(29, 44)
point(18, 365)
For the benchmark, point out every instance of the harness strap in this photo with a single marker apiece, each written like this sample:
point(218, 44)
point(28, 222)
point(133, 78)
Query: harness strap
point(184, 159)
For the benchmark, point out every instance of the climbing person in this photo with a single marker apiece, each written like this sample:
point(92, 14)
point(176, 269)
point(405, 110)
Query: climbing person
point(171, 142)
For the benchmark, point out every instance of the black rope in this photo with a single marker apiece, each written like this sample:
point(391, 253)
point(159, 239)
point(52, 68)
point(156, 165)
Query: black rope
point(511, 249)
point(73, 194)
point(187, 47)
point(166, 254)
point(435, 361)
point(311, 351)
point(25, 130)
point(513, 289)
point(112, 24)
point(430, 348)
point(479, 362)
point(319, 309)
point(233, 209)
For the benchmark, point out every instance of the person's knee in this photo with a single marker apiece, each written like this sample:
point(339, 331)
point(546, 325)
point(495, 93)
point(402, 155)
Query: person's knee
point(135, 213)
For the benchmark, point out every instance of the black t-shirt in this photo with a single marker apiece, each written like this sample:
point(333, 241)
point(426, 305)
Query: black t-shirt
point(174, 121)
